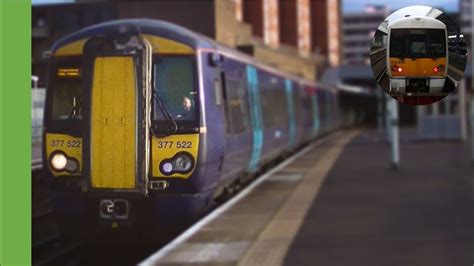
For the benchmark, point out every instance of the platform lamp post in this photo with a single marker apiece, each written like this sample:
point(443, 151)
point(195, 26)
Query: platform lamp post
point(392, 131)
point(388, 130)
point(380, 95)
point(471, 87)
point(472, 124)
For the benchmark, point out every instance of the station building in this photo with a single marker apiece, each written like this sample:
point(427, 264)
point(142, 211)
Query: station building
point(298, 36)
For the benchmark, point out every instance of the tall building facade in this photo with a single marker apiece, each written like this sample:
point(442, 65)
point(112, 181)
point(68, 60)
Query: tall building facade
point(358, 29)
point(466, 10)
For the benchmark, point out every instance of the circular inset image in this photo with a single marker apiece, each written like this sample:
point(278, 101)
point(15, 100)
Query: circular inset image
point(418, 55)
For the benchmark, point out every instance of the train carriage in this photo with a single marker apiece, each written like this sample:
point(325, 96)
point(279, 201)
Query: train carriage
point(147, 123)
point(417, 56)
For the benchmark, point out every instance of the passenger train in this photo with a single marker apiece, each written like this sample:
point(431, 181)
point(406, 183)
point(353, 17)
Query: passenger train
point(417, 56)
point(148, 123)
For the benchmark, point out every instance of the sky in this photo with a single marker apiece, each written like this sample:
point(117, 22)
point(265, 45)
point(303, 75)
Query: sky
point(358, 5)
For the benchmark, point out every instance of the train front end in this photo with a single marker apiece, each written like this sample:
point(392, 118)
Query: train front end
point(417, 57)
point(122, 128)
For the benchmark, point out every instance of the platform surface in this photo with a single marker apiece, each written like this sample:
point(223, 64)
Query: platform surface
point(340, 203)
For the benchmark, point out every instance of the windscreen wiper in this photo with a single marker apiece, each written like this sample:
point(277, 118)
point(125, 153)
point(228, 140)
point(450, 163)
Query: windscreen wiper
point(75, 109)
point(172, 125)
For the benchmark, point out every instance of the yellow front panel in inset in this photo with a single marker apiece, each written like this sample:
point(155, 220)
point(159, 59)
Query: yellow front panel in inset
point(419, 67)
point(113, 127)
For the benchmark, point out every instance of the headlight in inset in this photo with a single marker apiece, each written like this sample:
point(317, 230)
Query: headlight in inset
point(59, 161)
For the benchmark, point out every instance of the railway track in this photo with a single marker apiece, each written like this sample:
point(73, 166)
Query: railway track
point(379, 66)
point(47, 247)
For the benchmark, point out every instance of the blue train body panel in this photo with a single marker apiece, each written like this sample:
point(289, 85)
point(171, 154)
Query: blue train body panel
point(257, 120)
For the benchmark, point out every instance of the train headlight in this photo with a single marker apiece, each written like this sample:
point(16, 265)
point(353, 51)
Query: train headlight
point(397, 69)
point(436, 69)
point(167, 168)
point(183, 162)
point(59, 161)
point(72, 165)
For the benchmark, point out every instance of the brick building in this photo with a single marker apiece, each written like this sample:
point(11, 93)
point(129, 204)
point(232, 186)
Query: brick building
point(298, 36)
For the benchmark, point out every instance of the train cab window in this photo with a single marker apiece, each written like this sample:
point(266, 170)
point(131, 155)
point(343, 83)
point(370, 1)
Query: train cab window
point(437, 43)
point(66, 90)
point(174, 84)
point(417, 43)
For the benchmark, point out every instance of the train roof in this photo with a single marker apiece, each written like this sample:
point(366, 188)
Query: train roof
point(144, 26)
point(417, 22)
point(176, 33)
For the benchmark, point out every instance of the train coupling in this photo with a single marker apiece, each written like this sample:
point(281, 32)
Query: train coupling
point(114, 208)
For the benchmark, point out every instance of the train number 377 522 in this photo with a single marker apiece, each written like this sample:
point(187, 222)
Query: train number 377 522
point(66, 143)
point(178, 144)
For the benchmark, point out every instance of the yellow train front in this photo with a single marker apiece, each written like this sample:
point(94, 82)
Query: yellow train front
point(417, 57)
point(113, 143)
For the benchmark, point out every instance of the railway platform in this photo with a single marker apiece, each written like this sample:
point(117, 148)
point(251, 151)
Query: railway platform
point(338, 202)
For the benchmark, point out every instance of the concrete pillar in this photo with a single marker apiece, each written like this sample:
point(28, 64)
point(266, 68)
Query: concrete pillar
point(472, 125)
point(421, 111)
point(462, 109)
point(472, 84)
point(395, 139)
point(334, 34)
point(380, 110)
point(271, 23)
point(388, 130)
point(239, 10)
point(304, 27)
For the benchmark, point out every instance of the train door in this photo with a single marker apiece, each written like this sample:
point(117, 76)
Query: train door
point(119, 87)
point(237, 113)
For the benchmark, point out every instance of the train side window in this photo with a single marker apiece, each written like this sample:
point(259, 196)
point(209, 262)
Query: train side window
point(224, 90)
point(267, 107)
point(242, 92)
point(236, 106)
point(296, 103)
point(218, 91)
point(281, 105)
